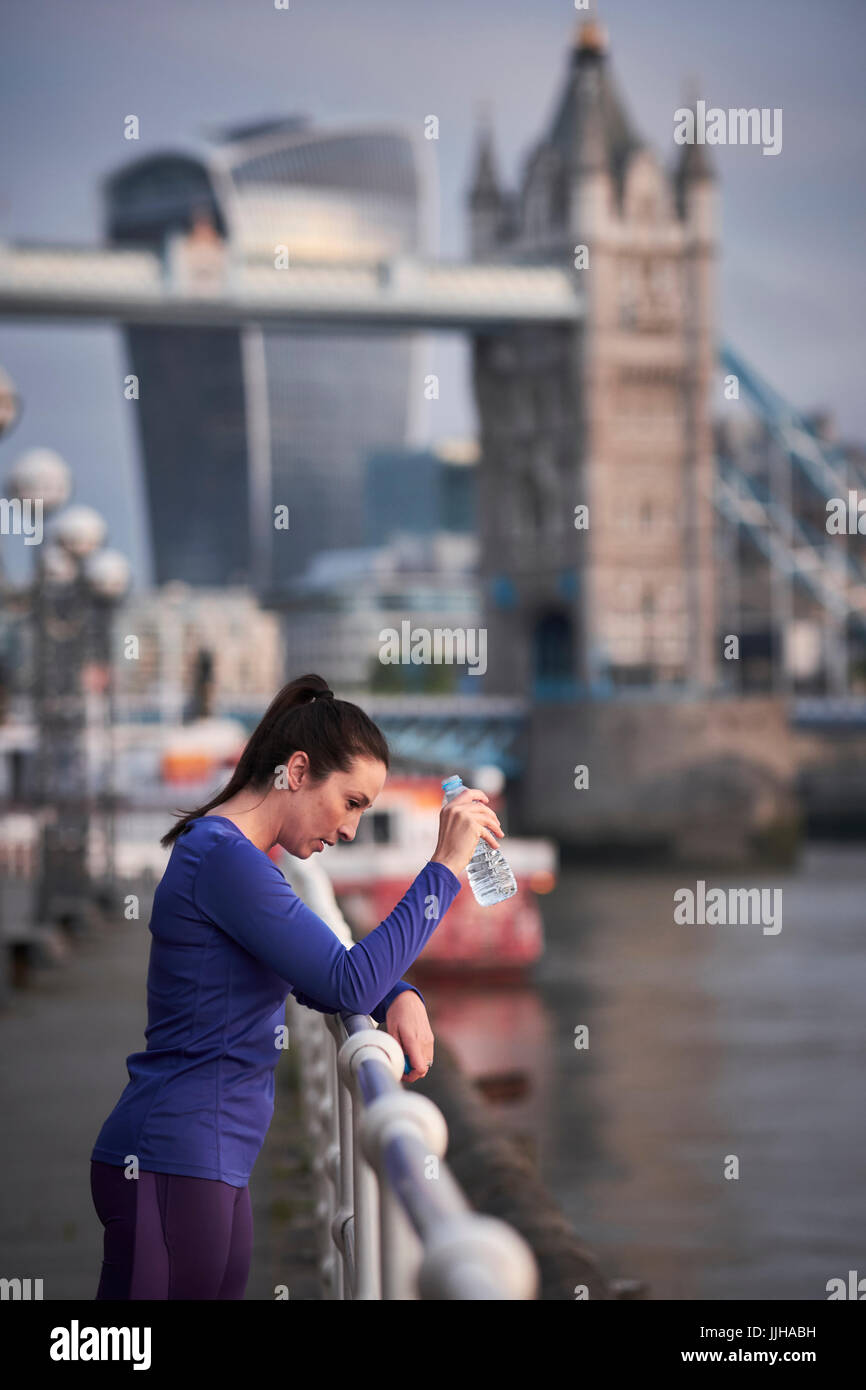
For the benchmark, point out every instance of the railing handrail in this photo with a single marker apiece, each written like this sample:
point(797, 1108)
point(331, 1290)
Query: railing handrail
point(394, 1223)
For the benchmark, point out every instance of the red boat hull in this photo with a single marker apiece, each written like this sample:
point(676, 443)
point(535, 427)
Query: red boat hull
point(505, 938)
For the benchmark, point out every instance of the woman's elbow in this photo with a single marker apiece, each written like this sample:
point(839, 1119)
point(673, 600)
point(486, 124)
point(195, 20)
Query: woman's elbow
point(358, 1001)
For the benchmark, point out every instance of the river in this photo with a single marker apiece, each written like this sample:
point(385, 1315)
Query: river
point(710, 1140)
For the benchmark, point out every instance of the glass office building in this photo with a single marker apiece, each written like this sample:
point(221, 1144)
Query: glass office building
point(332, 196)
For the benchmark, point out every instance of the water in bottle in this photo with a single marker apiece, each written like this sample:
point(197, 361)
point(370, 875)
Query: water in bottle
point(489, 873)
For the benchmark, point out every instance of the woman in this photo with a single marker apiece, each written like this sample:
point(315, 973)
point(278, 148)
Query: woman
point(230, 940)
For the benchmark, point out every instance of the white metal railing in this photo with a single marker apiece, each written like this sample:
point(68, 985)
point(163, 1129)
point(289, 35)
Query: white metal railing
point(393, 1222)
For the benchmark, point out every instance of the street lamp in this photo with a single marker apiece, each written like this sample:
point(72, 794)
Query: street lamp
point(80, 531)
point(40, 476)
point(41, 473)
point(107, 575)
point(75, 587)
point(58, 566)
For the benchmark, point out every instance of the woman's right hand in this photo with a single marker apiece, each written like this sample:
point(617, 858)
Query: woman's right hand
point(462, 823)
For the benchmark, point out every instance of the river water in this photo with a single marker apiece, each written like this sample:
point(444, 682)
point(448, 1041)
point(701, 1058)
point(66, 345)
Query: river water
point(711, 1139)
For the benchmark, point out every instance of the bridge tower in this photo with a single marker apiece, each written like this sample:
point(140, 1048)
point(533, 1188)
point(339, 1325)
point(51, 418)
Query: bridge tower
point(613, 415)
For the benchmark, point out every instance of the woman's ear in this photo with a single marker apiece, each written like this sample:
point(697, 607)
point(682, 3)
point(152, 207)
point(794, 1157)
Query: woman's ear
point(298, 769)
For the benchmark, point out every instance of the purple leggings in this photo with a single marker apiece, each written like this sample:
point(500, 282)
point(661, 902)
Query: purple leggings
point(170, 1236)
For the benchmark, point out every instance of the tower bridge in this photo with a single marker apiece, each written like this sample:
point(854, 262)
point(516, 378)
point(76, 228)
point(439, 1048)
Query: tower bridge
point(117, 285)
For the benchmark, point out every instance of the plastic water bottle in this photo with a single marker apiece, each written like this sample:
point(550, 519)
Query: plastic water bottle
point(488, 871)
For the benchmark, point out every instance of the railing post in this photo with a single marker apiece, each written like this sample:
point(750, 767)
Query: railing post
point(472, 1256)
point(401, 1249)
point(341, 1224)
point(368, 1274)
point(315, 1056)
point(345, 1211)
point(370, 1042)
point(332, 1262)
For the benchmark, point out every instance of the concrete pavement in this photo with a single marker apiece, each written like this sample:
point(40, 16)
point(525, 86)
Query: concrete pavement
point(63, 1045)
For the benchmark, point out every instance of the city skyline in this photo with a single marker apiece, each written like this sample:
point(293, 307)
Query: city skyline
point(791, 216)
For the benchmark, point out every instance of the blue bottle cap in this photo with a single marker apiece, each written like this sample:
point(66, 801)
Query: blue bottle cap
point(407, 1066)
point(451, 782)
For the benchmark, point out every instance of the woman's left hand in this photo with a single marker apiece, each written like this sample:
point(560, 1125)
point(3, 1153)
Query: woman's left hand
point(407, 1021)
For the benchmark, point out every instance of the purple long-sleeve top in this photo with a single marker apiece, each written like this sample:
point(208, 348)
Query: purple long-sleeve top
point(230, 940)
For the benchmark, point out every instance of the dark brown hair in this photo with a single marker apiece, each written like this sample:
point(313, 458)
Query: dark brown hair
point(331, 732)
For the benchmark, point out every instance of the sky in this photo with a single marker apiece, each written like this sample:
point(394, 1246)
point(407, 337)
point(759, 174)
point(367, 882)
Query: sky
point(791, 276)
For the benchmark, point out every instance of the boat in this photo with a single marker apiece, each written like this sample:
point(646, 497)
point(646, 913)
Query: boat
point(201, 750)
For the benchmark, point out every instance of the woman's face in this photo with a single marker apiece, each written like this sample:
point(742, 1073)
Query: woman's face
point(319, 814)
